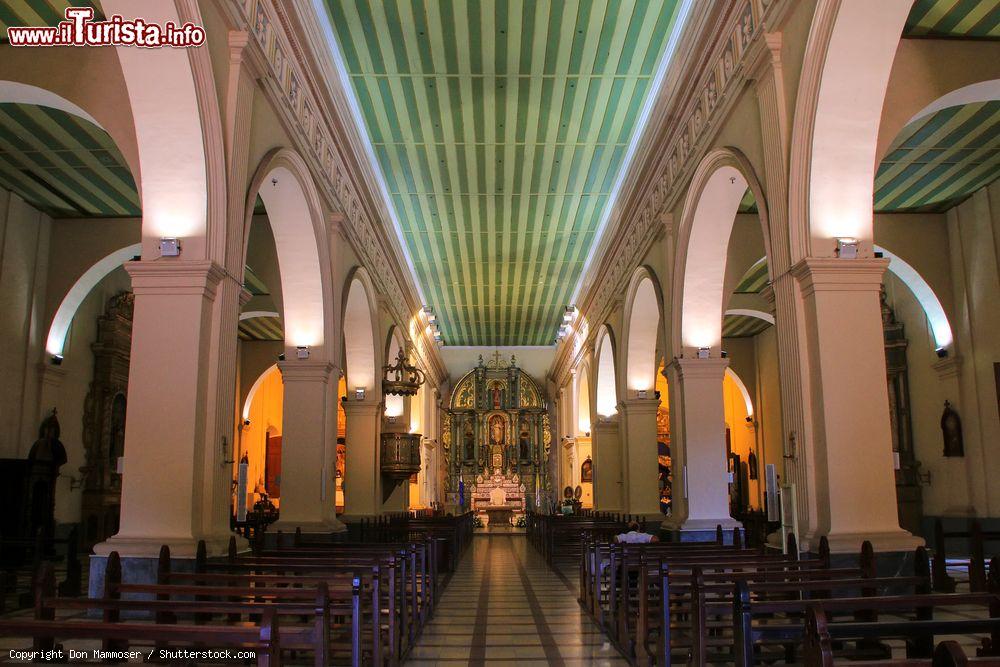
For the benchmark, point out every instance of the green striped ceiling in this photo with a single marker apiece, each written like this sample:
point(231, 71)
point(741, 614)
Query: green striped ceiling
point(261, 328)
point(938, 161)
point(253, 282)
point(754, 279)
point(978, 19)
point(748, 204)
point(742, 326)
point(38, 12)
point(500, 128)
point(63, 164)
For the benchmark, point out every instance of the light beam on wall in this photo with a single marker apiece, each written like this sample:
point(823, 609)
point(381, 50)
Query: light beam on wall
point(56, 339)
point(932, 307)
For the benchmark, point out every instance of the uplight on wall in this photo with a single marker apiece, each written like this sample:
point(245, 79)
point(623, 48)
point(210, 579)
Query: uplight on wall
point(359, 393)
point(847, 248)
point(704, 352)
point(302, 352)
point(170, 247)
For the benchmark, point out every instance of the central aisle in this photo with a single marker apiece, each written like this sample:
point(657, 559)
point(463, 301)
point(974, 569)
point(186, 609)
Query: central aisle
point(505, 606)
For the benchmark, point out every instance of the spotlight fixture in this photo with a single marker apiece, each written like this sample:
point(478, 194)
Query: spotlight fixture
point(429, 314)
point(170, 247)
point(569, 314)
point(359, 393)
point(56, 359)
point(703, 352)
point(942, 352)
point(302, 352)
point(641, 393)
point(847, 248)
point(724, 354)
point(281, 357)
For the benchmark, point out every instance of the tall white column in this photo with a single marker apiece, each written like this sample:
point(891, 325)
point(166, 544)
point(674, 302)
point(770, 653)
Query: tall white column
point(308, 447)
point(643, 493)
point(607, 460)
point(851, 440)
point(698, 424)
point(167, 457)
point(362, 483)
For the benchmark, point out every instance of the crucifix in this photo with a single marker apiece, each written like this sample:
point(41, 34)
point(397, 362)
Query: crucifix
point(496, 358)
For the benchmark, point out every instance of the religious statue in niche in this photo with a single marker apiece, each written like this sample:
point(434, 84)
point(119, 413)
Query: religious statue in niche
point(47, 455)
point(524, 441)
point(752, 465)
point(951, 428)
point(496, 430)
point(469, 442)
point(587, 470)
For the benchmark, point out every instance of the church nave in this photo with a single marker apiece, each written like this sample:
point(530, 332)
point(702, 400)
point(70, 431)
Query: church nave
point(504, 606)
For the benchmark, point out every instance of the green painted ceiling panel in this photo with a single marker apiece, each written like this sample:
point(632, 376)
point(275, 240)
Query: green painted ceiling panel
point(938, 161)
point(500, 127)
point(964, 19)
point(63, 165)
point(39, 12)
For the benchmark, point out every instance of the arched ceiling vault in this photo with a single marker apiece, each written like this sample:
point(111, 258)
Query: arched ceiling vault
point(500, 129)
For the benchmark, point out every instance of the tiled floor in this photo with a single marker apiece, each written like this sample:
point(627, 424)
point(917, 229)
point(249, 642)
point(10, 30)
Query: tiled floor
point(505, 606)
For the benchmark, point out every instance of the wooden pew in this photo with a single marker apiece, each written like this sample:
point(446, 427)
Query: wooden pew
point(820, 635)
point(977, 539)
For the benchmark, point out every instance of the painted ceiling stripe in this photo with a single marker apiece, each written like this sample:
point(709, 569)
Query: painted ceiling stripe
point(954, 18)
point(940, 159)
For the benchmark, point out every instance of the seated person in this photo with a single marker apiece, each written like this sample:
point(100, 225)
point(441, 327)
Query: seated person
point(633, 536)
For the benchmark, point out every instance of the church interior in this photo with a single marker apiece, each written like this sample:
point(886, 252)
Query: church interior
point(365, 332)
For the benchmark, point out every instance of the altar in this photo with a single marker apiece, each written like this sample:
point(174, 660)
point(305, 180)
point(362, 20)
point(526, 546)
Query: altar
point(498, 498)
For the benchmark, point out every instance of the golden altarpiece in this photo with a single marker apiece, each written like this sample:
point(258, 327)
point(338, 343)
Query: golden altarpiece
point(496, 439)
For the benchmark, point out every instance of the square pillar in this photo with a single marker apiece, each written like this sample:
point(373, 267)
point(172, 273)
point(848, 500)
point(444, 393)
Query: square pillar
point(362, 477)
point(850, 446)
point(167, 457)
point(308, 448)
point(698, 422)
point(642, 495)
point(607, 459)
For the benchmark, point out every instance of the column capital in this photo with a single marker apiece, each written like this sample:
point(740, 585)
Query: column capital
point(305, 370)
point(707, 369)
point(171, 277)
point(361, 408)
point(830, 274)
point(639, 406)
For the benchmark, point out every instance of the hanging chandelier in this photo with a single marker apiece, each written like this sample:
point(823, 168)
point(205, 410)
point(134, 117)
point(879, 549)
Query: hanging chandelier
point(401, 378)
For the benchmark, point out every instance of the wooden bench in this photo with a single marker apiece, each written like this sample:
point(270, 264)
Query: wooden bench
point(977, 539)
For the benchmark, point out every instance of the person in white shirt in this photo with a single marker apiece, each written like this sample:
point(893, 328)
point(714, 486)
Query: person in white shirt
point(633, 536)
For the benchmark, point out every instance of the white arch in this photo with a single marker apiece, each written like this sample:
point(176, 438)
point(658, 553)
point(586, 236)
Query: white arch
point(293, 210)
point(731, 374)
point(12, 92)
point(254, 388)
point(583, 423)
point(983, 91)
point(749, 312)
point(359, 338)
point(168, 131)
point(395, 406)
point(606, 399)
point(709, 214)
point(642, 318)
point(925, 295)
point(845, 74)
point(56, 339)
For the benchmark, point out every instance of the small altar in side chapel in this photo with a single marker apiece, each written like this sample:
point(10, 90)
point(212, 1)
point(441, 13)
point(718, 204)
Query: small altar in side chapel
point(496, 437)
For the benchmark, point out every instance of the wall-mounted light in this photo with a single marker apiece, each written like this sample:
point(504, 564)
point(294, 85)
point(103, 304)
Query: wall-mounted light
point(56, 359)
point(641, 393)
point(942, 352)
point(359, 393)
point(302, 352)
point(569, 314)
point(847, 248)
point(170, 247)
point(281, 357)
point(704, 352)
point(429, 314)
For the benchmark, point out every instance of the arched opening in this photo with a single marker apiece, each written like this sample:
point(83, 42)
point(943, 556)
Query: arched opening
point(582, 460)
point(642, 333)
point(260, 435)
point(606, 396)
